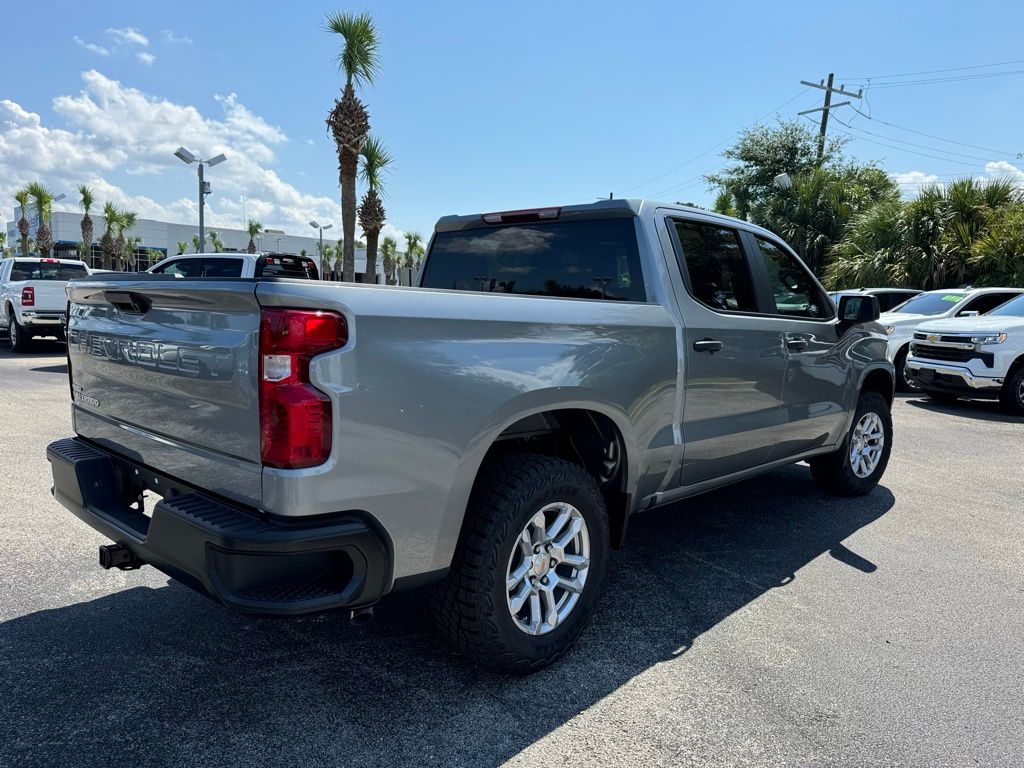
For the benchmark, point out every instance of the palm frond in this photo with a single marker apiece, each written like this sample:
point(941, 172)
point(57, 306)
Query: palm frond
point(359, 57)
point(374, 159)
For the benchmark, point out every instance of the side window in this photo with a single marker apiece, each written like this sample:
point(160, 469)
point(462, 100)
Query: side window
point(222, 268)
point(718, 270)
point(180, 268)
point(794, 291)
point(985, 303)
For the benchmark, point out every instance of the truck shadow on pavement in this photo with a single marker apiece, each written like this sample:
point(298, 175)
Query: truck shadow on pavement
point(981, 410)
point(164, 676)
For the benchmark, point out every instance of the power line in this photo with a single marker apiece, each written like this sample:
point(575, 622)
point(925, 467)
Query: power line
point(716, 146)
point(913, 144)
point(932, 81)
point(938, 71)
point(931, 135)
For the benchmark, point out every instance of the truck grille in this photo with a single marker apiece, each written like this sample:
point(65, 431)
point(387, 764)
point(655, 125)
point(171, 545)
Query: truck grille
point(950, 354)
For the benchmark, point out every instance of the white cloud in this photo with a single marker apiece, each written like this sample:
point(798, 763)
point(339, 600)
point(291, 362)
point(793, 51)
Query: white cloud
point(310, 142)
point(916, 178)
point(170, 37)
point(145, 57)
point(128, 36)
point(1003, 170)
point(93, 47)
point(113, 128)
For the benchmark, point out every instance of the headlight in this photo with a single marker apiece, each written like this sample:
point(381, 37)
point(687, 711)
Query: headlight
point(889, 329)
point(992, 338)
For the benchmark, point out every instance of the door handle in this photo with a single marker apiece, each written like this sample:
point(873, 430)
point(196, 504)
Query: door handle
point(796, 344)
point(707, 345)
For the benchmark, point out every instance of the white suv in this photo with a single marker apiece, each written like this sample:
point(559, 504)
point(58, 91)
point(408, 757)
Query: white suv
point(972, 356)
point(900, 323)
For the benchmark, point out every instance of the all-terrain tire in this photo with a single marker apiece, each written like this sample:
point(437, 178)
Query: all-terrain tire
point(835, 472)
point(19, 338)
point(471, 605)
point(1012, 394)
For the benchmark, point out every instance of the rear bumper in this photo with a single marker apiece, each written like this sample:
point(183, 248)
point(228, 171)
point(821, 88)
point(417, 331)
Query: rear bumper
point(42, 318)
point(245, 560)
point(953, 379)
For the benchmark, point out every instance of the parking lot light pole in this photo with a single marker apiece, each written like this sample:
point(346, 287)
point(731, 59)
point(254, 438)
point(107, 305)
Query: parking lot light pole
point(204, 186)
point(316, 225)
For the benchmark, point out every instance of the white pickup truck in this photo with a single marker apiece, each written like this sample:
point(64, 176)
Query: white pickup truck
point(32, 297)
point(246, 265)
point(972, 356)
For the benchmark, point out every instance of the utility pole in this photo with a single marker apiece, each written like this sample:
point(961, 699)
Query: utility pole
point(826, 107)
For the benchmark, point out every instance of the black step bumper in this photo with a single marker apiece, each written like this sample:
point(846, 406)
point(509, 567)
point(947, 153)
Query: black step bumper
point(247, 561)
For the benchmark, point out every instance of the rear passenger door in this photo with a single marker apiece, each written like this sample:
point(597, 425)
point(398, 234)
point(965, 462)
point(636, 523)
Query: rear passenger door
point(817, 381)
point(985, 302)
point(733, 356)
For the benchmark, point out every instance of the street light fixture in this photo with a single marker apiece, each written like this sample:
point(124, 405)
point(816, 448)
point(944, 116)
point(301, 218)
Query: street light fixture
point(204, 186)
point(316, 225)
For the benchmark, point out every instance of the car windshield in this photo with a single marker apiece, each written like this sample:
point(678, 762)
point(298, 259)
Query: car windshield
point(937, 303)
point(46, 270)
point(1012, 308)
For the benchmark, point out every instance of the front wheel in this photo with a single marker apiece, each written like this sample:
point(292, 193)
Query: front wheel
point(529, 567)
point(860, 462)
point(903, 384)
point(1012, 394)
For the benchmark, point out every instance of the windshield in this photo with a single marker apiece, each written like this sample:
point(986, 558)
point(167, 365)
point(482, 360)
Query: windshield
point(930, 303)
point(1012, 308)
point(46, 270)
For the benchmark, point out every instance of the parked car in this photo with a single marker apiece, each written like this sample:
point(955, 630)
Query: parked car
point(190, 265)
point(32, 298)
point(888, 298)
point(319, 445)
point(933, 305)
point(980, 357)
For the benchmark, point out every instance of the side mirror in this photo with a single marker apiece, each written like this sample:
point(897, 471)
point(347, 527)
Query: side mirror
point(854, 310)
point(969, 313)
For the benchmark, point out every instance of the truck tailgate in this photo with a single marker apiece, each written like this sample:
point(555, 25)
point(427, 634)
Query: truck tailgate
point(49, 294)
point(164, 371)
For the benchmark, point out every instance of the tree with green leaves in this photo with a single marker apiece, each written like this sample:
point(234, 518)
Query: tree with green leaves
point(197, 244)
point(3, 245)
point(108, 246)
point(182, 247)
point(348, 120)
point(215, 242)
point(125, 221)
point(86, 200)
point(153, 255)
point(43, 199)
point(22, 197)
point(375, 160)
point(326, 254)
point(388, 249)
point(412, 248)
point(254, 228)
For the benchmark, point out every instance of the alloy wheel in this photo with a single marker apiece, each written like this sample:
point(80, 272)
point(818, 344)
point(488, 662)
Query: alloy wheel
point(867, 444)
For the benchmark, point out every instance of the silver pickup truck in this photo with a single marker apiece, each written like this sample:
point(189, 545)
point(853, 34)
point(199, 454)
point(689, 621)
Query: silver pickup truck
point(316, 445)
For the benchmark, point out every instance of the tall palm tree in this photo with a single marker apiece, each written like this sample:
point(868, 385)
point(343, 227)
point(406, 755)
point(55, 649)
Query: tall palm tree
point(196, 244)
point(126, 220)
point(348, 120)
point(183, 246)
point(43, 199)
point(375, 159)
point(388, 248)
point(108, 245)
point(326, 254)
point(22, 197)
point(254, 228)
point(86, 201)
point(412, 247)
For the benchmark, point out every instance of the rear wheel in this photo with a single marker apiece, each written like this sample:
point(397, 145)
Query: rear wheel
point(860, 462)
point(20, 340)
point(1012, 394)
point(903, 384)
point(529, 568)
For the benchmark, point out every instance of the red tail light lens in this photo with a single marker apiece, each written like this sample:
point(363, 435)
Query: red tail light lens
point(295, 417)
point(28, 297)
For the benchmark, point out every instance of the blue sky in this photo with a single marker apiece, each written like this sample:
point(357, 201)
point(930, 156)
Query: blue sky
point(485, 106)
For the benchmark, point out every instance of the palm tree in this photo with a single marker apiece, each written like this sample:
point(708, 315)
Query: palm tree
point(388, 248)
point(153, 255)
point(86, 202)
point(22, 197)
point(348, 120)
point(183, 246)
point(254, 228)
point(215, 242)
point(130, 259)
point(196, 243)
point(412, 246)
point(108, 246)
point(326, 254)
point(126, 220)
point(3, 245)
point(43, 198)
point(375, 159)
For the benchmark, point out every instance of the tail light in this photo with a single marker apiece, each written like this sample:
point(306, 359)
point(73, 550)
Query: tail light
point(518, 217)
point(28, 296)
point(295, 417)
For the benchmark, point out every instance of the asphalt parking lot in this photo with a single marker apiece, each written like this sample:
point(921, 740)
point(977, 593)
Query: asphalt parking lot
point(761, 625)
